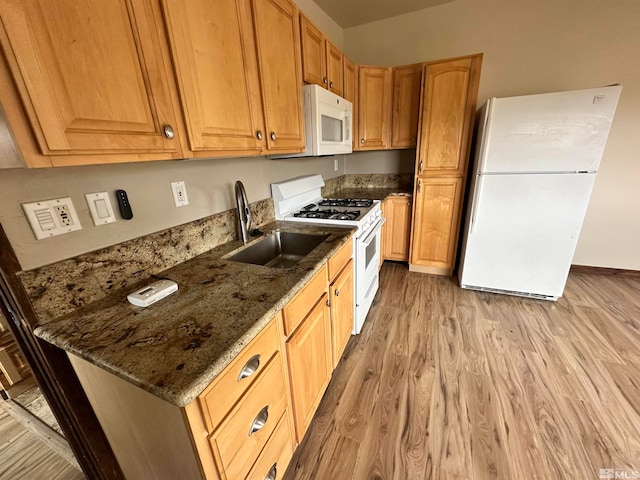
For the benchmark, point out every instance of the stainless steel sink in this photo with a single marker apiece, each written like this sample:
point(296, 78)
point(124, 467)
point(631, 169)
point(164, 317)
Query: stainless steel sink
point(279, 249)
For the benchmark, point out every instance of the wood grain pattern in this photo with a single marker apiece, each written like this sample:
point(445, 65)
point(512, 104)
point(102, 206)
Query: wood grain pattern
point(374, 107)
point(406, 105)
point(314, 59)
point(397, 229)
point(24, 455)
point(335, 71)
point(445, 383)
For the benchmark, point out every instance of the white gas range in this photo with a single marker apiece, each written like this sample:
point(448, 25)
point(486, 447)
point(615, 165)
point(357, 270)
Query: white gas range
point(300, 200)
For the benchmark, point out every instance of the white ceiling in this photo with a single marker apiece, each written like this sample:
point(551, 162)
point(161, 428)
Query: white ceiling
point(349, 13)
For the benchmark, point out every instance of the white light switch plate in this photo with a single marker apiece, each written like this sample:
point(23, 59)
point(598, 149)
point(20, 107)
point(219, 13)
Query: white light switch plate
point(49, 218)
point(100, 208)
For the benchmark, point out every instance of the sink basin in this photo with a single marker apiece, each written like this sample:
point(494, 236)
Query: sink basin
point(279, 250)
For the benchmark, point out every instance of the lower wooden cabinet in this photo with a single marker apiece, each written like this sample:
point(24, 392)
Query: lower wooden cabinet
point(247, 422)
point(436, 220)
point(341, 294)
point(309, 360)
point(397, 211)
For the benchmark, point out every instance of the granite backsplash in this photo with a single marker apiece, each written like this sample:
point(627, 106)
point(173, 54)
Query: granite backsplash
point(62, 287)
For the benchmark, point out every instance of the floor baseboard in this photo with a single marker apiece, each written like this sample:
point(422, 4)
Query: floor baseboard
point(619, 272)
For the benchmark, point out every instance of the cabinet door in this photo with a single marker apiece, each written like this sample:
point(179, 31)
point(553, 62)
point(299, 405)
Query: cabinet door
point(448, 106)
point(309, 360)
point(406, 106)
point(278, 43)
point(435, 222)
point(374, 107)
point(349, 81)
point(398, 228)
point(334, 68)
point(314, 63)
point(341, 293)
point(217, 73)
point(92, 77)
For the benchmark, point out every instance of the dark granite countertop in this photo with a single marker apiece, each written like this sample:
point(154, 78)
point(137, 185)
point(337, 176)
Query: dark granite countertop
point(177, 346)
point(372, 193)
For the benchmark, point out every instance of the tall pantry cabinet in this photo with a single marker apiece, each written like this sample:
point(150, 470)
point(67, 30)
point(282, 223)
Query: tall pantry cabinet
point(448, 103)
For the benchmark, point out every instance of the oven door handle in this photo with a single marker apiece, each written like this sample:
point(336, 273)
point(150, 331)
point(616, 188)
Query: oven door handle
point(374, 231)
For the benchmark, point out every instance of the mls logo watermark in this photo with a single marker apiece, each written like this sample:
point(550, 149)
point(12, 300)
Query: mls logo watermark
point(618, 473)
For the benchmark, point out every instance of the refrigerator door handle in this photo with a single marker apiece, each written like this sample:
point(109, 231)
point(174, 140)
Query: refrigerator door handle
point(475, 203)
point(486, 134)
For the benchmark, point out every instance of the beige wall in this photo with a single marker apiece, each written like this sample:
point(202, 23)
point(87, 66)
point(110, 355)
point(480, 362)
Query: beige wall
point(391, 161)
point(534, 47)
point(210, 189)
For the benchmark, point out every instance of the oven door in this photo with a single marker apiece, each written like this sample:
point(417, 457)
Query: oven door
point(367, 261)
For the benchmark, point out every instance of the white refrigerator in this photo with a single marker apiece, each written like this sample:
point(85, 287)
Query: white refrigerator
point(535, 165)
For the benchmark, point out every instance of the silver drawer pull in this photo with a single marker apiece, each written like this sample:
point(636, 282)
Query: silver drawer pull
point(250, 367)
point(260, 420)
point(273, 473)
point(337, 292)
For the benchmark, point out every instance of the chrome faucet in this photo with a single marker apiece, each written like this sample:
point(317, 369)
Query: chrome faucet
point(244, 214)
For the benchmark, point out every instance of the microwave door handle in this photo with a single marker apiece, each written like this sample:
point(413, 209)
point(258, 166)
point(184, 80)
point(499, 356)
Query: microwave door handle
point(372, 235)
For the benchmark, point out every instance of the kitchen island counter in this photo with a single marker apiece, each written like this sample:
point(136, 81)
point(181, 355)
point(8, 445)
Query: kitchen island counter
point(177, 346)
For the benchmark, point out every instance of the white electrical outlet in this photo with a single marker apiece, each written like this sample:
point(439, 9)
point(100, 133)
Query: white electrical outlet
point(100, 208)
point(335, 164)
point(49, 218)
point(179, 194)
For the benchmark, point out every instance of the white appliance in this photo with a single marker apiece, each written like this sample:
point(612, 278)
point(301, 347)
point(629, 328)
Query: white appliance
point(300, 200)
point(328, 123)
point(535, 166)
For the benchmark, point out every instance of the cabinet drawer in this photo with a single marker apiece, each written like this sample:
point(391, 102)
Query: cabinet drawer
point(225, 391)
point(340, 259)
point(304, 301)
point(243, 435)
point(276, 455)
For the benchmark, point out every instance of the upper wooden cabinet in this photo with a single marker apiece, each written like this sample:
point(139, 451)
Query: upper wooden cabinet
point(278, 43)
point(321, 59)
point(450, 89)
point(314, 53)
point(93, 80)
point(334, 68)
point(406, 106)
point(374, 108)
point(216, 69)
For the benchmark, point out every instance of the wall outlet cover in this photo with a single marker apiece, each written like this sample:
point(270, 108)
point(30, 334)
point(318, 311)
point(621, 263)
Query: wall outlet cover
point(179, 193)
point(49, 218)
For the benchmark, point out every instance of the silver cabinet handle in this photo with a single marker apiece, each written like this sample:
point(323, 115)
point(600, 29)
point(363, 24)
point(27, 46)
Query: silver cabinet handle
point(259, 134)
point(273, 136)
point(260, 420)
point(331, 84)
point(324, 80)
point(337, 292)
point(362, 140)
point(328, 302)
point(419, 185)
point(250, 367)
point(420, 167)
point(168, 132)
point(273, 472)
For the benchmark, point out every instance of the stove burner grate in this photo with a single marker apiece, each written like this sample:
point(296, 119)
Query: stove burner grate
point(346, 202)
point(329, 214)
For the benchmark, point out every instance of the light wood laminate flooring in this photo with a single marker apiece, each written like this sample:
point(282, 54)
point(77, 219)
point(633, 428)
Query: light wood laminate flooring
point(445, 383)
point(30, 450)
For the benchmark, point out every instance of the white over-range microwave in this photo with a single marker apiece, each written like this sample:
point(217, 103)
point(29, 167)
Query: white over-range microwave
point(328, 123)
